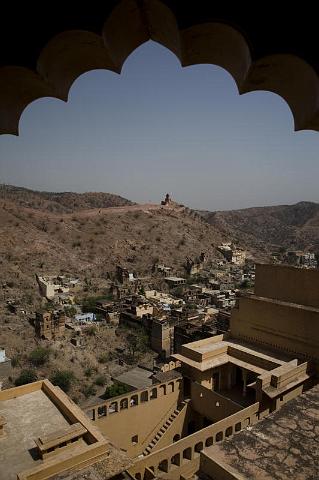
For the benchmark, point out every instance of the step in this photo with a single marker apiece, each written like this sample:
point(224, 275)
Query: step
point(163, 429)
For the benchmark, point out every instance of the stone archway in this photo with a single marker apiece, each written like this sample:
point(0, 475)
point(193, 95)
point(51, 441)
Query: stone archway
point(213, 38)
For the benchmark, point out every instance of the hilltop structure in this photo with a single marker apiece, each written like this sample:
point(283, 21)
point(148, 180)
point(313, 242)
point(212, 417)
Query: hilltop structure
point(167, 200)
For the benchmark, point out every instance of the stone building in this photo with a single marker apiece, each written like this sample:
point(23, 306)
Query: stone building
point(162, 270)
point(199, 32)
point(283, 313)
point(5, 366)
point(227, 382)
point(195, 266)
point(232, 254)
point(301, 259)
point(162, 336)
point(50, 325)
point(124, 276)
point(175, 281)
point(167, 200)
point(215, 388)
point(41, 419)
point(64, 287)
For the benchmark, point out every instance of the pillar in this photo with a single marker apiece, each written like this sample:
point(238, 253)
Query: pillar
point(229, 377)
point(244, 382)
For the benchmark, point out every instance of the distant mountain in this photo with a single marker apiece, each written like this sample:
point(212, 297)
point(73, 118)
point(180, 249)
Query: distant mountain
point(64, 202)
point(289, 226)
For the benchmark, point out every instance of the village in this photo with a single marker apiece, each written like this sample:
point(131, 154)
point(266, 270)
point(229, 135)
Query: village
point(147, 335)
point(132, 325)
point(148, 317)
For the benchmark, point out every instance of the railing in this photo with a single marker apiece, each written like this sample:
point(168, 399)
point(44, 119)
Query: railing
point(152, 434)
point(188, 449)
point(171, 366)
point(180, 408)
point(134, 399)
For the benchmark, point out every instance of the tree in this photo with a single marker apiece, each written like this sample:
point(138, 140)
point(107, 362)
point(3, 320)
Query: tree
point(39, 356)
point(191, 306)
point(91, 331)
point(88, 391)
point(178, 291)
point(89, 304)
point(70, 311)
point(105, 357)
point(88, 372)
point(245, 284)
point(115, 390)
point(100, 381)
point(26, 376)
point(141, 290)
point(15, 361)
point(63, 379)
point(137, 343)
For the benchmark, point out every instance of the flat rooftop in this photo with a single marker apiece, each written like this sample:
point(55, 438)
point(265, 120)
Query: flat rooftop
point(214, 351)
point(28, 417)
point(39, 410)
point(175, 279)
point(238, 344)
point(283, 446)
point(136, 378)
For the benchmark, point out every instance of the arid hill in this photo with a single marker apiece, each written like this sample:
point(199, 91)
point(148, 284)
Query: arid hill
point(87, 243)
point(91, 242)
point(288, 226)
point(64, 202)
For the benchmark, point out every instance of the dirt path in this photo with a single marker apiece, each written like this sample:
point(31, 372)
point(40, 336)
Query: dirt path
point(93, 212)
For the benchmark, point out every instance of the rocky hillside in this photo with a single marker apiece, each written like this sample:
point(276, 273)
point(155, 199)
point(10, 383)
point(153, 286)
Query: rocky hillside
point(52, 233)
point(289, 226)
point(90, 243)
point(64, 202)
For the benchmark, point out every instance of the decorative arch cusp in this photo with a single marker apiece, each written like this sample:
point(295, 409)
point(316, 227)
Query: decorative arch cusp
point(131, 23)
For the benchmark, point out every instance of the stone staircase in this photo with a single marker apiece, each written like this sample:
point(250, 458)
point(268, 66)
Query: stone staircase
point(163, 429)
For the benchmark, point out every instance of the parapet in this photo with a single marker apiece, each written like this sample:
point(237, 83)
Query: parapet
point(288, 284)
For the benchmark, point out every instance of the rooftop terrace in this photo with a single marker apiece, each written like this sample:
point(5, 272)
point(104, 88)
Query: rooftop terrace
point(44, 433)
point(280, 447)
point(28, 417)
point(215, 351)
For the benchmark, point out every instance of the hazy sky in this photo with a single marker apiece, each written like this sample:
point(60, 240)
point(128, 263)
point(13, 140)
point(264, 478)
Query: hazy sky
point(159, 128)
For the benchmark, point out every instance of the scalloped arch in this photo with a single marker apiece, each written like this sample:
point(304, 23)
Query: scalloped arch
point(132, 23)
